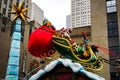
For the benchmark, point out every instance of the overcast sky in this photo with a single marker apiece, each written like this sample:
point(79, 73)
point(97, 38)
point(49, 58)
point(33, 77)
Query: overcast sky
point(55, 11)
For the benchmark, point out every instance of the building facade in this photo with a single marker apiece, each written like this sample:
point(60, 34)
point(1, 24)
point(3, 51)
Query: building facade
point(107, 23)
point(68, 21)
point(37, 13)
point(6, 6)
point(80, 13)
point(113, 34)
point(105, 30)
point(6, 27)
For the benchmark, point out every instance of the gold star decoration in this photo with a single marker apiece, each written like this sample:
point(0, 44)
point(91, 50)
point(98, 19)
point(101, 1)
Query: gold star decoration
point(19, 12)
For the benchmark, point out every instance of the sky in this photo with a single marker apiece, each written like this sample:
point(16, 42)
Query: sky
point(55, 11)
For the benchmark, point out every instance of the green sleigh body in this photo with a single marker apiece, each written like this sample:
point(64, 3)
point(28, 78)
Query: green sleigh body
point(64, 47)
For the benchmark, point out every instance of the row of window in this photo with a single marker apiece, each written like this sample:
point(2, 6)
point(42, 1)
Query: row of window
point(111, 3)
point(83, 24)
point(111, 9)
point(0, 4)
point(115, 49)
point(79, 18)
point(112, 24)
point(111, 6)
point(85, 13)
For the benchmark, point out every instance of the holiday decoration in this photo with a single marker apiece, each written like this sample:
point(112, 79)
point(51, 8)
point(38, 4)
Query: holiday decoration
point(12, 72)
point(40, 42)
point(19, 11)
point(45, 40)
point(75, 67)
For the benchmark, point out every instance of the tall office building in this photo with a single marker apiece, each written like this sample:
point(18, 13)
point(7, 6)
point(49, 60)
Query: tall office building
point(68, 21)
point(80, 13)
point(37, 13)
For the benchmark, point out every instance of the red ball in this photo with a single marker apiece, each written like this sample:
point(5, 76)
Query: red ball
point(40, 42)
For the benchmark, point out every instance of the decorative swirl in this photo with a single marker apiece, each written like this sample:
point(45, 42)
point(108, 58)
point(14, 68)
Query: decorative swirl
point(51, 52)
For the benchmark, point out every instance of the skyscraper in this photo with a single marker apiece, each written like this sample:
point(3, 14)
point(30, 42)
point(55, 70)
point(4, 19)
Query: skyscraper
point(80, 13)
point(68, 21)
point(37, 13)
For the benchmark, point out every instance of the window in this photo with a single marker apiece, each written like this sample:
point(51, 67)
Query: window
point(111, 6)
point(112, 26)
point(111, 3)
point(115, 50)
point(0, 4)
point(3, 27)
point(112, 29)
point(9, 15)
point(113, 41)
point(112, 17)
point(63, 76)
point(17, 3)
point(5, 1)
point(111, 9)
point(4, 11)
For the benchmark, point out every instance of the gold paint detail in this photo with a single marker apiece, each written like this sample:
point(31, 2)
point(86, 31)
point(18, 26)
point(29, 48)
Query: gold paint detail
point(19, 11)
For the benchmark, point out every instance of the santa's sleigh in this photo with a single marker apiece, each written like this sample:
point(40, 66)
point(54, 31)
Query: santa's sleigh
point(64, 47)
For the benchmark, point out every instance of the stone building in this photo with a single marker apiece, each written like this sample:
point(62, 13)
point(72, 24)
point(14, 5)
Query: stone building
point(6, 29)
point(104, 31)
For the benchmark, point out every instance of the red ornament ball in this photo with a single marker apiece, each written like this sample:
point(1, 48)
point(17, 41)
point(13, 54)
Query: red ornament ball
point(40, 42)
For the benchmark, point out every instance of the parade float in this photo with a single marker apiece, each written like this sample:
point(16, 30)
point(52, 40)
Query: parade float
point(64, 69)
point(46, 40)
